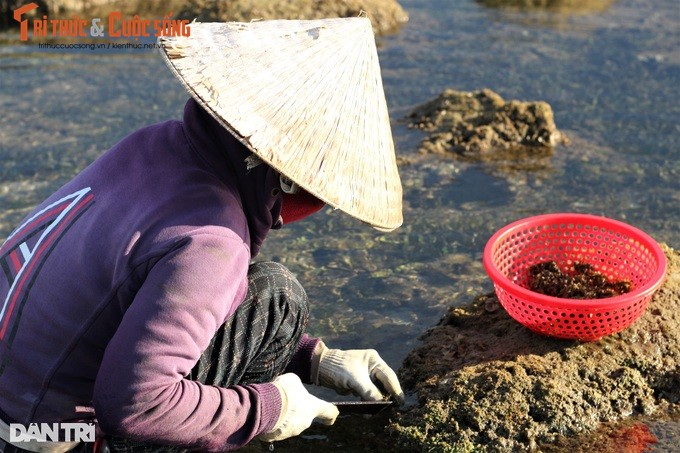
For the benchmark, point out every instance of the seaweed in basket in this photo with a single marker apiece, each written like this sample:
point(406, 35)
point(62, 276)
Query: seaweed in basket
point(585, 283)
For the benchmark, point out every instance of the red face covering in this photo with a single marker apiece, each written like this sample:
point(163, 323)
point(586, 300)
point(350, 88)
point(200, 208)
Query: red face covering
point(298, 206)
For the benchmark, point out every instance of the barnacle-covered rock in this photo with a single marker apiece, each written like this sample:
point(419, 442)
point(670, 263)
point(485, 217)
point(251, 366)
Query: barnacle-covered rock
point(485, 382)
point(481, 125)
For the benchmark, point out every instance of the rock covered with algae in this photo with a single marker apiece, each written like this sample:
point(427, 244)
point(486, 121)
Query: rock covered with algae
point(486, 383)
point(481, 124)
point(386, 15)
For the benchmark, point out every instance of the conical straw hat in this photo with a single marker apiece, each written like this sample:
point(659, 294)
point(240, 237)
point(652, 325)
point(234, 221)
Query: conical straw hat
point(306, 96)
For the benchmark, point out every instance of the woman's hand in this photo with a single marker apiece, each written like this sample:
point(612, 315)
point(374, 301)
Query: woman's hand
point(358, 371)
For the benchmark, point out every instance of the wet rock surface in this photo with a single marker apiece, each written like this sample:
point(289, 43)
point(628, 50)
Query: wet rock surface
point(386, 15)
point(633, 435)
point(481, 125)
point(485, 381)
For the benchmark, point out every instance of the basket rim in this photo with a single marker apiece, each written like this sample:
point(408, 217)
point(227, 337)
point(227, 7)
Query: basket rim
point(498, 278)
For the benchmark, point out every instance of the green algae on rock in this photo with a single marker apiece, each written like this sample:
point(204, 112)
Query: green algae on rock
point(485, 382)
point(481, 125)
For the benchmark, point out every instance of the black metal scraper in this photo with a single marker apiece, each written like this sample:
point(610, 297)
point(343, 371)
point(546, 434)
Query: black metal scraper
point(361, 407)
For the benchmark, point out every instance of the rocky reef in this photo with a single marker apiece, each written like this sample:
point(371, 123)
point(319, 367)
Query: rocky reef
point(386, 15)
point(481, 125)
point(486, 383)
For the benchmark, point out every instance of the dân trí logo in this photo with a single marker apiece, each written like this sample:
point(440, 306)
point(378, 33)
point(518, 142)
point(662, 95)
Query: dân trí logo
point(115, 26)
point(52, 432)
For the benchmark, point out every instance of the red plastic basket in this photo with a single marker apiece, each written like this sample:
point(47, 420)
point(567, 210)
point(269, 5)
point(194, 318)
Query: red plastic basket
point(613, 248)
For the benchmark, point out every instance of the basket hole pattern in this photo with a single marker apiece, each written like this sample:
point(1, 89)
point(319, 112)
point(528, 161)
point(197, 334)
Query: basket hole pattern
point(611, 253)
point(583, 324)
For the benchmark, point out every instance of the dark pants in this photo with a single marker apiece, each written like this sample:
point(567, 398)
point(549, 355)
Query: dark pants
point(253, 346)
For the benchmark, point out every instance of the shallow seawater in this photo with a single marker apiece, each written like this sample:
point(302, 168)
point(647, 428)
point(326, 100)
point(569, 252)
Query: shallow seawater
point(611, 73)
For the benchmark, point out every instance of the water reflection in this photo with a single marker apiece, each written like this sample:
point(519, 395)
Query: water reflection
point(559, 6)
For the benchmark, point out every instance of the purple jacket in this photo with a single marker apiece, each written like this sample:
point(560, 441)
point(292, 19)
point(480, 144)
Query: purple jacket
point(113, 287)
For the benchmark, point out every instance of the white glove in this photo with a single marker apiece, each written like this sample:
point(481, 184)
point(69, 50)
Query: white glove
point(298, 409)
point(356, 371)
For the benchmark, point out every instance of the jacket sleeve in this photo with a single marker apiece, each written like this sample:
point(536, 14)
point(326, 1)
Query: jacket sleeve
point(301, 362)
point(140, 391)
